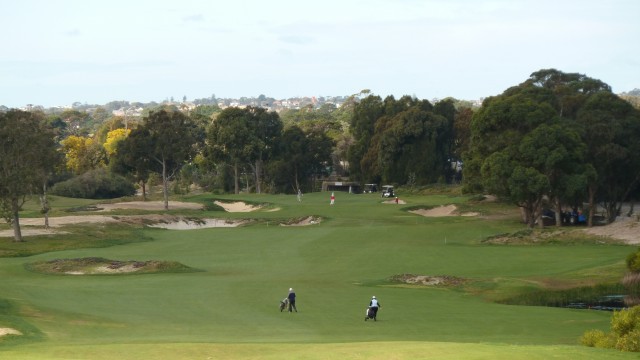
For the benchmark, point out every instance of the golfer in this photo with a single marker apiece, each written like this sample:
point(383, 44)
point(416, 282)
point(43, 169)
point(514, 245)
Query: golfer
point(292, 300)
point(374, 305)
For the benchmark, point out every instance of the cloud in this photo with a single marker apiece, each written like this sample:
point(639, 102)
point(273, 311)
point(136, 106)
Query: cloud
point(297, 40)
point(193, 18)
point(73, 32)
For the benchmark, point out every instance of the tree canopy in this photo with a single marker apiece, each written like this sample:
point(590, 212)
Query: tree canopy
point(557, 136)
point(27, 157)
point(401, 141)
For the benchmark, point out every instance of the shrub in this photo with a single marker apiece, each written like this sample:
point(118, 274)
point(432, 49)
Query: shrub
point(629, 342)
point(595, 338)
point(633, 261)
point(624, 335)
point(95, 184)
point(625, 321)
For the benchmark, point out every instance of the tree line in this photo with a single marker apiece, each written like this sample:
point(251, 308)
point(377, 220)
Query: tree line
point(557, 139)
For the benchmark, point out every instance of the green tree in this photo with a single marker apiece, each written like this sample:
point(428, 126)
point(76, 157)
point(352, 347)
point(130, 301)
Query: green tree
point(266, 130)
point(228, 141)
point(567, 127)
point(242, 137)
point(171, 143)
point(611, 128)
point(132, 157)
point(27, 157)
point(299, 157)
point(515, 155)
point(365, 115)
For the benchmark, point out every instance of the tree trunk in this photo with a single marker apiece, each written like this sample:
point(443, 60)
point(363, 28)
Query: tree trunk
point(538, 212)
point(258, 176)
point(15, 223)
point(44, 202)
point(236, 180)
point(165, 185)
point(558, 207)
point(144, 190)
point(592, 207)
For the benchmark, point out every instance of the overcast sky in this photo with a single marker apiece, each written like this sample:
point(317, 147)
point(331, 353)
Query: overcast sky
point(56, 52)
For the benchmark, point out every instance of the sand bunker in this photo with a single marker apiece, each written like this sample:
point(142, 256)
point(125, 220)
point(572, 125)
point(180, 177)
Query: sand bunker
point(444, 210)
point(309, 220)
point(149, 205)
point(238, 206)
point(171, 222)
point(428, 280)
point(189, 224)
point(9, 331)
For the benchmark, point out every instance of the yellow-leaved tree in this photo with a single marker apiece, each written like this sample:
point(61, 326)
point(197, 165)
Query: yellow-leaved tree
point(113, 138)
point(82, 154)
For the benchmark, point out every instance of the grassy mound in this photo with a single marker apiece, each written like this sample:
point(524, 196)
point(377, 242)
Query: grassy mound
point(102, 266)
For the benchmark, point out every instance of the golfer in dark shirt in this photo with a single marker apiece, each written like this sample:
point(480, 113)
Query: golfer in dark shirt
point(292, 300)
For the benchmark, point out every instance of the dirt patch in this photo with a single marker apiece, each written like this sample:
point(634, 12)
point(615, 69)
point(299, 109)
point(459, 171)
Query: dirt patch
point(309, 220)
point(237, 206)
point(444, 210)
point(149, 205)
point(9, 331)
point(624, 228)
point(393, 201)
point(428, 280)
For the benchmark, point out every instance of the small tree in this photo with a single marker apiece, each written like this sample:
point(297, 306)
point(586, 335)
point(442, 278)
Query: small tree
point(624, 335)
point(27, 157)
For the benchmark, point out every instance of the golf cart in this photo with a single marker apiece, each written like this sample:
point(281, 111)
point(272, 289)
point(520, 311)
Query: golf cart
point(387, 191)
point(370, 188)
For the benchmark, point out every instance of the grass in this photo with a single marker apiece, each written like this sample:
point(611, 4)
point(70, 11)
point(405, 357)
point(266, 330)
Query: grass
point(229, 310)
point(75, 237)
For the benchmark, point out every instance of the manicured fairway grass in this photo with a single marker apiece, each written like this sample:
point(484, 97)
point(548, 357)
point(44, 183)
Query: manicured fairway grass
point(229, 310)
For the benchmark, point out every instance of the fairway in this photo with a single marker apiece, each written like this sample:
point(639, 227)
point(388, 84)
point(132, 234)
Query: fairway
point(229, 307)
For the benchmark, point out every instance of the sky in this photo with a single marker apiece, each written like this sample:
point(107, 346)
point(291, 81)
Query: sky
point(57, 52)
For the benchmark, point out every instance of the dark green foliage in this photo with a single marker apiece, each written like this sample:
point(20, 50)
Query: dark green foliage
point(298, 157)
point(559, 136)
point(95, 184)
point(633, 261)
point(27, 158)
point(244, 138)
point(402, 141)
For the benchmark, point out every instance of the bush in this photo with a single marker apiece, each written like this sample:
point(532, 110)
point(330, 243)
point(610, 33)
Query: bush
point(633, 261)
point(625, 321)
point(629, 342)
point(624, 335)
point(95, 184)
point(595, 338)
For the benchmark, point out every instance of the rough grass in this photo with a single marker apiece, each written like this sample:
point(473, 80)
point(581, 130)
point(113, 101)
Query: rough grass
point(75, 237)
point(102, 266)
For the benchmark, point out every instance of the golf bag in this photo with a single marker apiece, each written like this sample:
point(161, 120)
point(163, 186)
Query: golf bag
point(284, 304)
point(371, 313)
